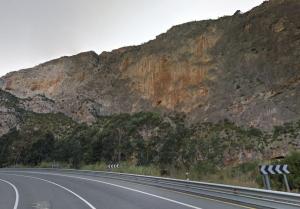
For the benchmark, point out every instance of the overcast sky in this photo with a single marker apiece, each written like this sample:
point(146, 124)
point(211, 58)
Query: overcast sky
point(34, 31)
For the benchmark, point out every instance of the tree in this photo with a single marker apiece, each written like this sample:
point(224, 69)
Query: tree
point(40, 150)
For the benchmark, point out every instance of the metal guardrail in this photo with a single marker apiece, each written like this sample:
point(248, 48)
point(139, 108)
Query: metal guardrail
point(248, 196)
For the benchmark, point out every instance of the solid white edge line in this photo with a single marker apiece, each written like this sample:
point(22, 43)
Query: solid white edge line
point(115, 185)
point(16, 192)
point(51, 182)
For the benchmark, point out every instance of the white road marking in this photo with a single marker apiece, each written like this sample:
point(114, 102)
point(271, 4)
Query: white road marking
point(41, 205)
point(51, 182)
point(115, 185)
point(16, 191)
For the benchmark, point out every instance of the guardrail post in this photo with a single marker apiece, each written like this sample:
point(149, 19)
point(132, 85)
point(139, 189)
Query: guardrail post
point(268, 182)
point(264, 181)
point(286, 183)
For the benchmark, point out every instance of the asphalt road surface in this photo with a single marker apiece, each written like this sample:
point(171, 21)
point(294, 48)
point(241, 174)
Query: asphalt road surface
point(58, 190)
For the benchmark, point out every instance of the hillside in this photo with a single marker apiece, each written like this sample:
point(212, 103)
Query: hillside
point(147, 142)
point(213, 97)
point(244, 68)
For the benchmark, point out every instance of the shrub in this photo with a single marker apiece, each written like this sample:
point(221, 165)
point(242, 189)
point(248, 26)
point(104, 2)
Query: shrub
point(293, 161)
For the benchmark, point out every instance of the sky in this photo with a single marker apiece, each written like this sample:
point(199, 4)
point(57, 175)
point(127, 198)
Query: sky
point(35, 31)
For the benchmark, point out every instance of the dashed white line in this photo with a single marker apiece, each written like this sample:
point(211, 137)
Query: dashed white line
point(115, 185)
point(16, 192)
point(51, 182)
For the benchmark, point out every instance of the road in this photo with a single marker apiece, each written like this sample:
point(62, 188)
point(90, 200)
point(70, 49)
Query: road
point(32, 189)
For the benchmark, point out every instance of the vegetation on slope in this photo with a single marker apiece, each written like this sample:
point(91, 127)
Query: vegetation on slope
point(149, 143)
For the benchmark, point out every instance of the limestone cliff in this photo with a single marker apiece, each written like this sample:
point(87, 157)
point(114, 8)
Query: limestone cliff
point(245, 68)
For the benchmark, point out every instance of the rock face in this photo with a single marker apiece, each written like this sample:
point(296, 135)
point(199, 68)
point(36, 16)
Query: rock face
point(9, 116)
point(13, 108)
point(245, 68)
point(8, 120)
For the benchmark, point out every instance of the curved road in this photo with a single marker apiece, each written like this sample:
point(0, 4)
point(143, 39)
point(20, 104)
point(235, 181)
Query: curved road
point(58, 190)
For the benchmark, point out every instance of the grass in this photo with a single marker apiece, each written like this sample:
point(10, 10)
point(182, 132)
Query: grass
point(124, 168)
point(225, 177)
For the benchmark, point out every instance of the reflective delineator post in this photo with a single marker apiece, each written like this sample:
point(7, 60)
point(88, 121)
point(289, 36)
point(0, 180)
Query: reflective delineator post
point(187, 176)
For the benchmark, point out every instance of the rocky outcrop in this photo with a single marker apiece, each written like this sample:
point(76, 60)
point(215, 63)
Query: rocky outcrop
point(9, 116)
point(13, 108)
point(245, 68)
point(8, 120)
